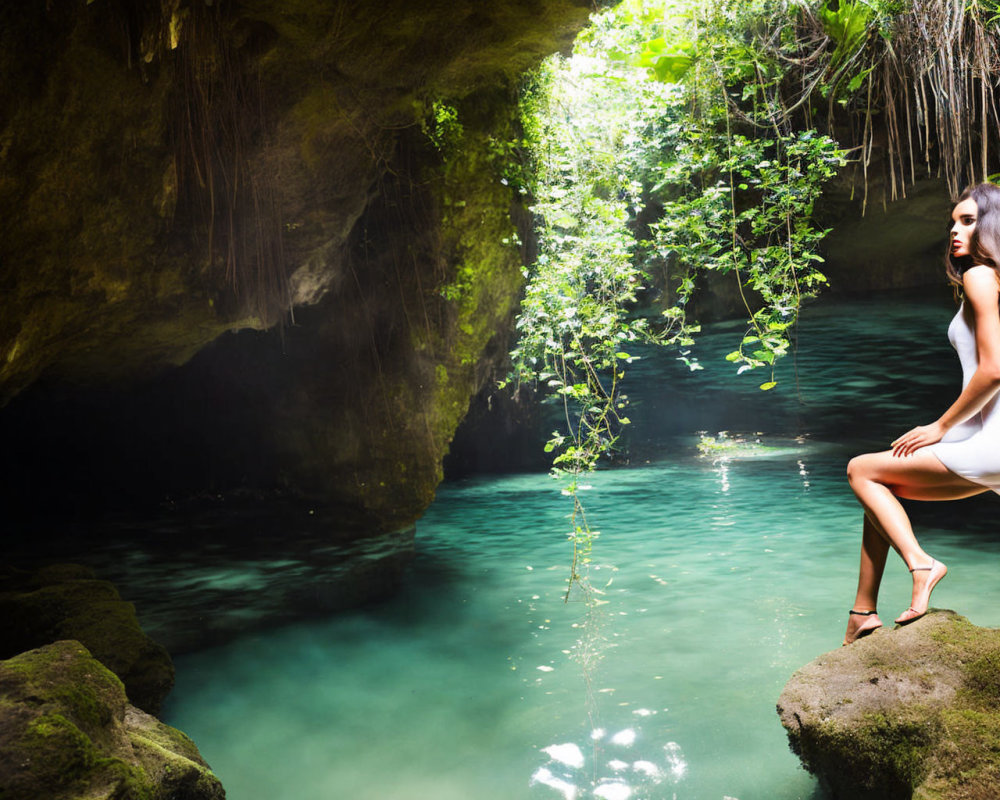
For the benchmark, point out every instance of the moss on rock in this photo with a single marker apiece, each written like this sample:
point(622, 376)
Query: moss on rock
point(912, 712)
point(399, 260)
point(421, 325)
point(474, 296)
point(66, 601)
point(67, 731)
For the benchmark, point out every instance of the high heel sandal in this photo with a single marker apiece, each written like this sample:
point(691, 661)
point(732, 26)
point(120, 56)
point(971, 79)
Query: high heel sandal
point(865, 627)
point(932, 581)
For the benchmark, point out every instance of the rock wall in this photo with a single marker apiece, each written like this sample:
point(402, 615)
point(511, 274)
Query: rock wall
point(171, 174)
point(894, 244)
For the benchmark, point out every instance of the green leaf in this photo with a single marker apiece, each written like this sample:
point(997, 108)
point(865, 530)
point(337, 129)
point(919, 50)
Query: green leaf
point(651, 51)
point(847, 26)
point(671, 68)
point(855, 83)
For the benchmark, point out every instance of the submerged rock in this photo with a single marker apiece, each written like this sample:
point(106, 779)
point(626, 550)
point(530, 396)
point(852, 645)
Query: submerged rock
point(910, 712)
point(68, 731)
point(66, 601)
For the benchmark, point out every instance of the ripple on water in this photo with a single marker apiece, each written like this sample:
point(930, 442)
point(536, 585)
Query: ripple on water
point(716, 578)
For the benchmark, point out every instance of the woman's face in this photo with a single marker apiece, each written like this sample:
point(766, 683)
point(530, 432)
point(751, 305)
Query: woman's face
point(964, 223)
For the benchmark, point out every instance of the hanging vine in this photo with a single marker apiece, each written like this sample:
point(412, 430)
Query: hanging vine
point(638, 165)
point(575, 327)
point(225, 188)
point(909, 77)
point(218, 131)
point(688, 138)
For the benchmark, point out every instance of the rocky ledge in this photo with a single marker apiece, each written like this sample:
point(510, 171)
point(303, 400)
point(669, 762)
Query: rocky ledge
point(67, 731)
point(67, 601)
point(912, 712)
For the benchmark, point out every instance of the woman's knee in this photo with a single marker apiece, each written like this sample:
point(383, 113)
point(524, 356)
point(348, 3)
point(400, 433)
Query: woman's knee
point(858, 468)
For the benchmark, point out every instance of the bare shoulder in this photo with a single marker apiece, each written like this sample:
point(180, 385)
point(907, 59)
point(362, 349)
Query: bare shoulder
point(981, 285)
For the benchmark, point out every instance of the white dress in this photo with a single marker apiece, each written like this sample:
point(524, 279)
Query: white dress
point(971, 449)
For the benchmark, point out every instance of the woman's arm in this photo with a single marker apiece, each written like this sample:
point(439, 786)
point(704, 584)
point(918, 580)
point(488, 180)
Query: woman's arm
point(982, 295)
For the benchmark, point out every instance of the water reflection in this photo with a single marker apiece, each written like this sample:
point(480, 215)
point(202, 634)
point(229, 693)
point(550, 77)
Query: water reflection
point(545, 777)
point(201, 575)
point(722, 469)
point(645, 758)
point(615, 773)
point(479, 681)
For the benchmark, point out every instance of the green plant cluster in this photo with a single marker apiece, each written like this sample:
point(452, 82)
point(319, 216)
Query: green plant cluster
point(654, 149)
point(593, 136)
point(746, 208)
point(441, 126)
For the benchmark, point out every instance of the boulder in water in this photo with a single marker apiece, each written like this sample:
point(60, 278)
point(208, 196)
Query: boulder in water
point(67, 731)
point(66, 601)
point(910, 712)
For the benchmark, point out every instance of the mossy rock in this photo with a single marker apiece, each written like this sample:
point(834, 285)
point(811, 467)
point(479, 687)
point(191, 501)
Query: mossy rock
point(907, 713)
point(401, 259)
point(67, 731)
point(66, 601)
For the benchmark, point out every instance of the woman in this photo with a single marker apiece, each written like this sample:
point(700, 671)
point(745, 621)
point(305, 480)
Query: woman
point(956, 456)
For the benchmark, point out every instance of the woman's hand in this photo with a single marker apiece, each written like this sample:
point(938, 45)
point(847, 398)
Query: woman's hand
point(921, 436)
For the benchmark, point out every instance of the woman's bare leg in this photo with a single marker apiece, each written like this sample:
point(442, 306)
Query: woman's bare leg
point(874, 549)
point(878, 480)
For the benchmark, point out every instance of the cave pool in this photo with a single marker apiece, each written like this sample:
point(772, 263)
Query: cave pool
point(718, 575)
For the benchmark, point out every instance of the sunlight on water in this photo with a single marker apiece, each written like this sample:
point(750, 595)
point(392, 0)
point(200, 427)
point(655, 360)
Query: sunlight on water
point(718, 578)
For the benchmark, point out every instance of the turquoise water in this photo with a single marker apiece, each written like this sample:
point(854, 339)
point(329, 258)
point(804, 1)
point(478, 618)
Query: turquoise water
point(717, 578)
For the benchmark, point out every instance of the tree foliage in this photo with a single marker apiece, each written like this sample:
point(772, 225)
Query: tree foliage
point(650, 150)
point(689, 138)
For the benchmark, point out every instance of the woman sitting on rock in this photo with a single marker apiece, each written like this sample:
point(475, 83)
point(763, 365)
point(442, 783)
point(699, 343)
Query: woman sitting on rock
point(957, 455)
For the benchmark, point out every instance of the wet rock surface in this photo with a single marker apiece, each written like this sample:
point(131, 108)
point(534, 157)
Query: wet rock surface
point(68, 731)
point(908, 712)
point(67, 601)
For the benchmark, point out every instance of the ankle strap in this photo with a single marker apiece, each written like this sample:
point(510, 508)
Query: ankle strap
point(861, 613)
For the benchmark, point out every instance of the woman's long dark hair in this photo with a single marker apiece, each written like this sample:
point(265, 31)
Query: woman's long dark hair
point(984, 244)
